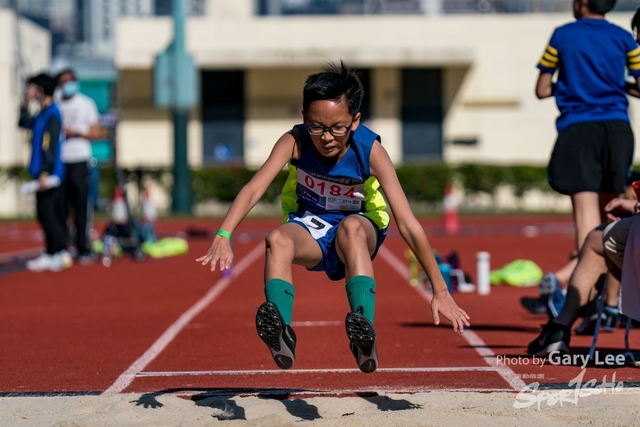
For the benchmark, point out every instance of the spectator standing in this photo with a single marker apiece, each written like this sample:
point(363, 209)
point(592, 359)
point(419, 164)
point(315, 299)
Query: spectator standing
point(80, 121)
point(47, 168)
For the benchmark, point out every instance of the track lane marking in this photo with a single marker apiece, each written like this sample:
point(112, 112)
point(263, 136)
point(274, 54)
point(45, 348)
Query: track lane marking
point(311, 371)
point(165, 339)
point(472, 338)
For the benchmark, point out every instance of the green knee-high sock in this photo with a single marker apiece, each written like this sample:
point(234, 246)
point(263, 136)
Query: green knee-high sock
point(281, 293)
point(361, 291)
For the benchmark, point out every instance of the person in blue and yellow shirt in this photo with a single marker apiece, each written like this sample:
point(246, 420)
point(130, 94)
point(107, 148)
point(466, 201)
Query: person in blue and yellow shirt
point(334, 217)
point(593, 153)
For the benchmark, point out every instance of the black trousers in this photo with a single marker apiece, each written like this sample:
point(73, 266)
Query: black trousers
point(76, 194)
point(50, 210)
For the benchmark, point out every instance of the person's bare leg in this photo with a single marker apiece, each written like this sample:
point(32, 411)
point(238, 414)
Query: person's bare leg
point(586, 214)
point(356, 240)
point(286, 245)
point(613, 291)
point(589, 270)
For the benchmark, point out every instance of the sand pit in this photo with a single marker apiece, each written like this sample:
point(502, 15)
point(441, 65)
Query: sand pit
point(384, 409)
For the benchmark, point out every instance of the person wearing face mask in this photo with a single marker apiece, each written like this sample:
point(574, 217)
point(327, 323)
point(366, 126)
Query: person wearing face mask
point(43, 118)
point(80, 122)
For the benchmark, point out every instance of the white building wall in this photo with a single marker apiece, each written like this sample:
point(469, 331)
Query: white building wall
point(488, 63)
point(24, 51)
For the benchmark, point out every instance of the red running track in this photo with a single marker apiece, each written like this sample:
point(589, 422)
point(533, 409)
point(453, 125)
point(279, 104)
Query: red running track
point(137, 328)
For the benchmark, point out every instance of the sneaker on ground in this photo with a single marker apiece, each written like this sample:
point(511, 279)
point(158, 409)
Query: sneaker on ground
point(61, 260)
point(276, 334)
point(537, 305)
point(43, 263)
point(588, 324)
point(555, 302)
point(548, 284)
point(362, 339)
point(554, 337)
point(610, 320)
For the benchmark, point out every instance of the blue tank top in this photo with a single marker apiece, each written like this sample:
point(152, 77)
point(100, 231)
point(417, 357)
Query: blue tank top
point(345, 188)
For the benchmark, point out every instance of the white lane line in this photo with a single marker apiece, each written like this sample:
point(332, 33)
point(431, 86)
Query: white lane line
point(312, 371)
point(165, 339)
point(24, 253)
point(317, 323)
point(472, 338)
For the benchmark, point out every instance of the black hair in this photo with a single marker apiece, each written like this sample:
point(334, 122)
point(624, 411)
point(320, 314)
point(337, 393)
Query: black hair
point(44, 81)
point(635, 21)
point(601, 7)
point(66, 71)
point(335, 82)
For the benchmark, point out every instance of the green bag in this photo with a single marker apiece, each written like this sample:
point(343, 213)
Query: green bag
point(167, 247)
point(521, 272)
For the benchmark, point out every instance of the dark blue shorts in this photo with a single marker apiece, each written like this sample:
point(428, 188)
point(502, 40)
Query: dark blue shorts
point(323, 229)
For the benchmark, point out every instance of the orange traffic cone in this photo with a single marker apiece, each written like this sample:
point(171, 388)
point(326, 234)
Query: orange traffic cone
point(119, 209)
point(451, 224)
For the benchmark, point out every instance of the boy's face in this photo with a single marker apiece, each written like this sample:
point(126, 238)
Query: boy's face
point(335, 115)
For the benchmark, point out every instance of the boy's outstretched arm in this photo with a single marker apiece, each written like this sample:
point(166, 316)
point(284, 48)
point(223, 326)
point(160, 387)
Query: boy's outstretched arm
point(413, 233)
point(220, 251)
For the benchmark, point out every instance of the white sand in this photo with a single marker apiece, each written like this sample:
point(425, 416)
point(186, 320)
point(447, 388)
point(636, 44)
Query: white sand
point(469, 409)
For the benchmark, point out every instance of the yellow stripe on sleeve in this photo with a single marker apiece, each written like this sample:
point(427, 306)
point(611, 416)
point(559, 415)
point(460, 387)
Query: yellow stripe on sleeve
point(547, 64)
point(46, 139)
point(634, 67)
point(634, 52)
point(550, 58)
point(552, 50)
point(634, 60)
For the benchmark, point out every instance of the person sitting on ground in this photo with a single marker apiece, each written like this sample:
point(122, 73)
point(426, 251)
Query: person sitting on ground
point(334, 218)
point(550, 302)
point(602, 252)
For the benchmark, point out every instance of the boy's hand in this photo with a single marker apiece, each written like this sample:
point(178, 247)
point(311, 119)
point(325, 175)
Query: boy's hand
point(219, 253)
point(616, 208)
point(444, 304)
point(31, 92)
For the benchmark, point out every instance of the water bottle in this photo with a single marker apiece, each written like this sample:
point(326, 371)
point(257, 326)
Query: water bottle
point(484, 286)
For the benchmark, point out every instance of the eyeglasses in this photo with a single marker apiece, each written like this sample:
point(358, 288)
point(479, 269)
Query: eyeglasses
point(317, 130)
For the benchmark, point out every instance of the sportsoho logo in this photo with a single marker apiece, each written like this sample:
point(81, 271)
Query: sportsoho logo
point(576, 389)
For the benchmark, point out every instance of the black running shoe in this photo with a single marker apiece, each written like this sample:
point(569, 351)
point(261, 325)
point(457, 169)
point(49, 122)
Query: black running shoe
point(554, 337)
point(588, 324)
point(363, 341)
point(276, 334)
point(535, 305)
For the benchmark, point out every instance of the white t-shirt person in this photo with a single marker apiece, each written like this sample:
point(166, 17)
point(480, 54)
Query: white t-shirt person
point(79, 114)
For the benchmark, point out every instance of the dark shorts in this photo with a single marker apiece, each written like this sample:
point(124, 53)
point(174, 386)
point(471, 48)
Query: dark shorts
point(592, 156)
point(323, 229)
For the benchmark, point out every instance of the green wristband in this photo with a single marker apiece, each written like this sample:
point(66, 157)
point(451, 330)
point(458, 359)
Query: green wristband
point(224, 234)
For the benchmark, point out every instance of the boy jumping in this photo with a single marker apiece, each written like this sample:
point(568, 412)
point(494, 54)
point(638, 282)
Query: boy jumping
point(334, 218)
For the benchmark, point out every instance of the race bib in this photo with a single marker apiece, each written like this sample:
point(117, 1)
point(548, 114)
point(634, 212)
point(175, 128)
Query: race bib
point(329, 195)
point(316, 225)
